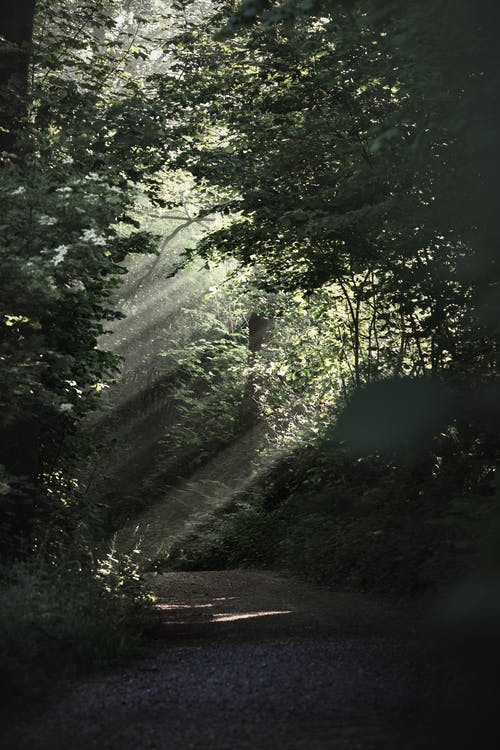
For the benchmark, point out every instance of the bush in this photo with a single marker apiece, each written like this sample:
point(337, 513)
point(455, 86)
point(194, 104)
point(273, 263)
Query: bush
point(362, 525)
point(59, 620)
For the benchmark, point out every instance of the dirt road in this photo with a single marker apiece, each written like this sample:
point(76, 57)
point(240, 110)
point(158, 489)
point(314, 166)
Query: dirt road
point(246, 659)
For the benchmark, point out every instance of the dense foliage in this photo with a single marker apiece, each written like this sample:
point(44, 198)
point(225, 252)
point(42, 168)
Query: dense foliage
point(77, 129)
point(353, 148)
point(341, 158)
point(67, 189)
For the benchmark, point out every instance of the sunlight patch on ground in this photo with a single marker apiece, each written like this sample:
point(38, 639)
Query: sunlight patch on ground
point(190, 605)
point(183, 606)
point(247, 615)
point(189, 612)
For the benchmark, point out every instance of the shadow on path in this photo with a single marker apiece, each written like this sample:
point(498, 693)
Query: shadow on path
point(249, 659)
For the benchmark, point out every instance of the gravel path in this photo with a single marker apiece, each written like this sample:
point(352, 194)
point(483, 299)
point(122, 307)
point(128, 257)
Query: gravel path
point(247, 659)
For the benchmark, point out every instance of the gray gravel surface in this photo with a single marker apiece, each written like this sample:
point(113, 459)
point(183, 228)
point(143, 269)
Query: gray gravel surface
point(253, 660)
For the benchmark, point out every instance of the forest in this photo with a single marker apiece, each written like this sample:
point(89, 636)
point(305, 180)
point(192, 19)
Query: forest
point(249, 316)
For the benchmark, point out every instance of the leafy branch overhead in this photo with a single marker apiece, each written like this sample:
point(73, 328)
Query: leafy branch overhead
point(338, 157)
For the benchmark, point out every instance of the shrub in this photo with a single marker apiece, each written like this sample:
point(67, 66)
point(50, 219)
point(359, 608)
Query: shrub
point(58, 620)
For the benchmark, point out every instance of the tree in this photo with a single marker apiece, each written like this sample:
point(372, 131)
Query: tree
point(66, 229)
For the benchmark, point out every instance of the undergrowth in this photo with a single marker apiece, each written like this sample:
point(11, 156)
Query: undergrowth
point(60, 619)
point(359, 525)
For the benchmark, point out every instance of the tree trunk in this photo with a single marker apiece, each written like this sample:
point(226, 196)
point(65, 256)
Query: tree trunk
point(258, 330)
point(19, 441)
point(16, 32)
